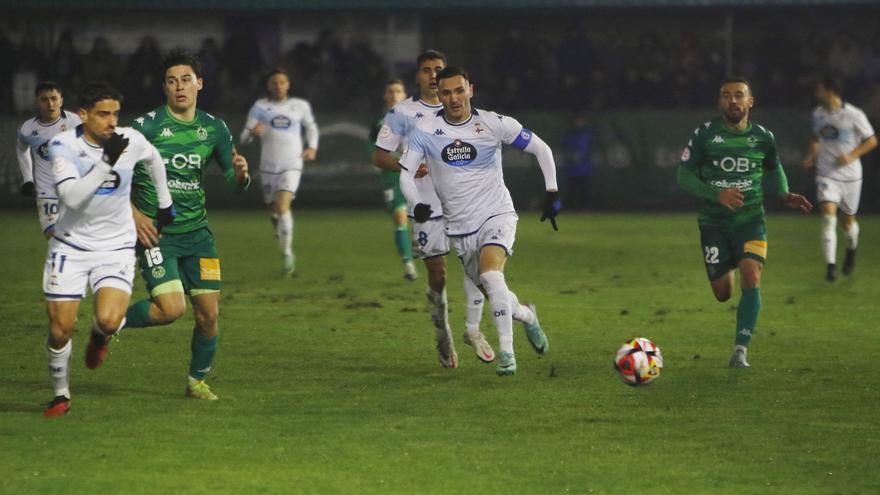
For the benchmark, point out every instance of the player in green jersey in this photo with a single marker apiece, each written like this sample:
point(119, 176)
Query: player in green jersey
point(184, 259)
point(395, 92)
point(725, 164)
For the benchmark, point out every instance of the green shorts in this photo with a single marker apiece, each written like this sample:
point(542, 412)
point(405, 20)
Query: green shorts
point(725, 247)
point(394, 199)
point(185, 262)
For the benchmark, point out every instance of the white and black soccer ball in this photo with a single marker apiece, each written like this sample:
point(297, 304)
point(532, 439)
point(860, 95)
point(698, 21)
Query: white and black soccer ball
point(638, 362)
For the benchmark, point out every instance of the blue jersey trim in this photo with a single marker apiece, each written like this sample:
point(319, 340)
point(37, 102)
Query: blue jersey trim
point(481, 225)
point(50, 295)
point(48, 227)
point(64, 180)
point(383, 149)
point(496, 244)
point(74, 246)
point(112, 276)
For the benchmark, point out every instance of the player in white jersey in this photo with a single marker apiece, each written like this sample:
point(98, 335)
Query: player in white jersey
point(429, 239)
point(462, 148)
point(279, 122)
point(32, 150)
point(842, 135)
point(94, 238)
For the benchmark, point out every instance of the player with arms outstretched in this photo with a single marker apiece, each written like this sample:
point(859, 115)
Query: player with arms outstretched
point(279, 122)
point(184, 260)
point(395, 203)
point(725, 164)
point(462, 148)
point(94, 237)
point(32, 150)
point(842, 135)
point(429, 237)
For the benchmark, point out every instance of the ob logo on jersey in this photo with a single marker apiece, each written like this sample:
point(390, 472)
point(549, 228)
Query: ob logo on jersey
point(110, 184)
point(829, 132)
point(280, 122)
point(459, 153)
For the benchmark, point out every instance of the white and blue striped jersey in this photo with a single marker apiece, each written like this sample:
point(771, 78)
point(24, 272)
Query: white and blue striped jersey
point(399, 122)
point(465, 161)
point(32, 151)
point(840, 132)
point(104, 222)
point(282, 144)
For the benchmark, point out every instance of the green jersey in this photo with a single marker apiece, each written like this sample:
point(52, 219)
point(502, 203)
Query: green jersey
point(186, 148)
point(388, 178)
point(725, 158)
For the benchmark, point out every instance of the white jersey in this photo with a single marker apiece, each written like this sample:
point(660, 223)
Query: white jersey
point(840, 132)
point(284, 122)
point(465, 161)
point(32, 151)
point(104, 222)
point(398, 123)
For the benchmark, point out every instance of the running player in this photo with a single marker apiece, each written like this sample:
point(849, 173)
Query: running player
point(725, 164)
point(395, 92)
point(32, 150)
point(279, 121)
point(842, 135)
point(94, 237)
point(462, 148)
point(184, 260)
point(429, 237)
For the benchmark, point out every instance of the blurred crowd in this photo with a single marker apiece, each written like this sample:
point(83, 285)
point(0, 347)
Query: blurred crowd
point(600, 66)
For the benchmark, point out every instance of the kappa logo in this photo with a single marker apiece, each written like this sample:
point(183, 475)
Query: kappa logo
point(419, 115)
point(439, 132)
point(745, 331)
point(140, 121)
point(151, 115)
point(82, 154)
point(718, 139)
point(166, 132)
point(35, 132)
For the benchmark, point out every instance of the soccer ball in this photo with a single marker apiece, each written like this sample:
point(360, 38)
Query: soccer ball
point(638, 362)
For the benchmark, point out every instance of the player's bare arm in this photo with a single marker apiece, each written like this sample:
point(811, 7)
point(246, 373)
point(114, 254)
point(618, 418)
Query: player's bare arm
point(240, 165)
point(146, 232)
point(810, 159)
point(797, 201)
point(866, 146)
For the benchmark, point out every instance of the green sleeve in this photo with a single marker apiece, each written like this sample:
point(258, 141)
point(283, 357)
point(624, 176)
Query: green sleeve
point(223, 155)
point(688, 181)
point(777, 181)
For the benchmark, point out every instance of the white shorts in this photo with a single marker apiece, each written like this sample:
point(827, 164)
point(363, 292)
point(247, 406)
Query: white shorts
point(281, 181)
point(496, 231)
point(47, 211)
point(429, 239)
point(845, 195)
point(69, 272)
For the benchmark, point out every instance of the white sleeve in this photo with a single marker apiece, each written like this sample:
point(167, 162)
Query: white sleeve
point(391, 134)
point(409, 164)
point(25, 160)
point(536, 146)
point(863, 126)
point(251, 122)
point(156, 167)
point(74, 191)
point(311, 127)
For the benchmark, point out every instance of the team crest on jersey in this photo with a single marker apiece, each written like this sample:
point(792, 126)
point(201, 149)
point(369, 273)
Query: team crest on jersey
point(752, 141)
point(385, 131)
point(829, 132)
point(158, 271)
point(63, 127)
point(43, 150)
point(477, 128)
point(110, 184)
point(459, 153)
point(202, 133)
point(280, 122)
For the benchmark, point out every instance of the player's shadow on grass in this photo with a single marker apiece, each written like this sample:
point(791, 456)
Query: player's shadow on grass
point(23, 389)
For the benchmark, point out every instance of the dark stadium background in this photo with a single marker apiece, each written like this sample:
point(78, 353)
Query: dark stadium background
point(642, 73)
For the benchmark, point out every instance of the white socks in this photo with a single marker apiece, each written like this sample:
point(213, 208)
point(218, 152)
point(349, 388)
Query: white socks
point(59, 368)
point(499, 302)
point(520, 312)
point(473, 308)
point(284, 233)
point(829, 238)
point(852, 235)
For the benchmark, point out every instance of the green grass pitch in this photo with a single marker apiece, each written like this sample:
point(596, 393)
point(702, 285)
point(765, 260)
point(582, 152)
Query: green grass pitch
point(329, 382)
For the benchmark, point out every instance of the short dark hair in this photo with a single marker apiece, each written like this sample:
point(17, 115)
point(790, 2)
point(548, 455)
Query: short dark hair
point(276, 71)
point(736, 79)
point(180, 56)
point(395, 81)
point(831, 83)
point(452, 71)
point(94, 91)
point(430, 55)
point(47, 86)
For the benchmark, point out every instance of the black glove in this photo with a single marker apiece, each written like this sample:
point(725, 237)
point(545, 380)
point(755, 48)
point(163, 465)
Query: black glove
point(164, 216)
point(114, 147)
point(551, 208)
point(422, 213)
point(28, 189)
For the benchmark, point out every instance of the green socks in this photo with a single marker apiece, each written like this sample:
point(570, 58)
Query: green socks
point(138, 314)
point(404, 245)
point(747, 315)
point(203, 350)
